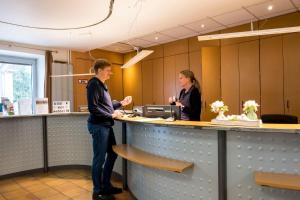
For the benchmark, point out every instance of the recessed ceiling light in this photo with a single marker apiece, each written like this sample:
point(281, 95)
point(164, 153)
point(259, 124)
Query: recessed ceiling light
point(156, 38)
point(270, 7)
point(202, 25)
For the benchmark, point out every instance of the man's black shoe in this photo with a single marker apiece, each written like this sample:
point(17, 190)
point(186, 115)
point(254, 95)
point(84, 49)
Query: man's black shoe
point(112, 190)
point(97, 196)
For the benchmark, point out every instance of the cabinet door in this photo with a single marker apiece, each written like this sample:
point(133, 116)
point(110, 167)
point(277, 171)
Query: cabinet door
point(115, 84)
point(147, 74)
point(230, 78)
point(80, 66)
point(169, 78)
point(182, 63)
point(211, 74)
point(271, 71)
point(249, 72)
point(158, 81)
point(291, 52)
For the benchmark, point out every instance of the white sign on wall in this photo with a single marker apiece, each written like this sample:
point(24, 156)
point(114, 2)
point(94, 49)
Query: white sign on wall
point(61, 106)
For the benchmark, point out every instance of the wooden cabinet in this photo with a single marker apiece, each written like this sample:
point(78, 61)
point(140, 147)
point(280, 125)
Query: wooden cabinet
point(271, 71)
point(81, 65)
point(132, 81)
point(182, 63)
point(115, 84)
point(152, 77)
point(158, 81)
point(230, 86)
point(169, 77)
point(249, 72)
point(147, 78)
point(211, 83)
point(291, 53)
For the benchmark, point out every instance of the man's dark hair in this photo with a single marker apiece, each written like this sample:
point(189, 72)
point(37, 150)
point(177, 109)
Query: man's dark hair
point(101, 64)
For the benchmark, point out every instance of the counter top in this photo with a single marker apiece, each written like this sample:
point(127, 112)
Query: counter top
point(42, 115)
point(282, 128)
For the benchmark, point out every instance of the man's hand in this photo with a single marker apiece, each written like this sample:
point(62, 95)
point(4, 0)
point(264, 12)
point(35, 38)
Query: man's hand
point(117, 114)
point(126, 101)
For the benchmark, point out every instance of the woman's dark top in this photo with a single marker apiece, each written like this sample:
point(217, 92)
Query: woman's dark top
point(191, 100)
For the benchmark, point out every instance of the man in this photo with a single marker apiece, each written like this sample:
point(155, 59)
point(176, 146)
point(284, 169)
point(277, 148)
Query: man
point(102, 113)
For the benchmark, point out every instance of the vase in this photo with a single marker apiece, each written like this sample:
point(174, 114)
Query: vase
point(221, 116)
point(251, 115)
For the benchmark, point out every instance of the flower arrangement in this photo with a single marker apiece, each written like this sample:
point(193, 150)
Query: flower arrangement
point(218, 106)
point(250, 109)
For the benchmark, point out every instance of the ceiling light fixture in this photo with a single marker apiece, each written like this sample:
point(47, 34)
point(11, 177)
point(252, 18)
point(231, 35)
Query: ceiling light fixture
point(202, 25)
point(138, 57)
point(249, 33)
point(270, 7)
point(156, 38)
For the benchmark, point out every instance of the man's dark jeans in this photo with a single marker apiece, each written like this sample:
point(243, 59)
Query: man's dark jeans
point(103, 140)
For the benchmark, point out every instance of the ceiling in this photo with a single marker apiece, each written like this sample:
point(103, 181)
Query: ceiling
point(141, 23)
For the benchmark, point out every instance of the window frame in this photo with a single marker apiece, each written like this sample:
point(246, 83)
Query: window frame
point(24, 61)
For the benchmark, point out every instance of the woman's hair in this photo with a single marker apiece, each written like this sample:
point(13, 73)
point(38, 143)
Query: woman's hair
point(189, 74)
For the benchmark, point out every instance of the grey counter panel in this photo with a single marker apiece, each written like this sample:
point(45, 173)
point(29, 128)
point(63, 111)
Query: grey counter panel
point(194, 145)
point(21, 145)
point(249, 152)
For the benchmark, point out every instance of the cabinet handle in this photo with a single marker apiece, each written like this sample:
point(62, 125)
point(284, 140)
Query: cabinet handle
point(288, 104)
point(242, 103)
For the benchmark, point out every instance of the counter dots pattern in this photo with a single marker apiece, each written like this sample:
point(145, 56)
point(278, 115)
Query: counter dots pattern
point(268, 152)
point(21, 144)
point(69, 142)
point(197, 146)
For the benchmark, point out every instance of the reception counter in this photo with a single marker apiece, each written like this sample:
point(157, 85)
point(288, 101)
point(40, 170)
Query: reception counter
point(226, 162)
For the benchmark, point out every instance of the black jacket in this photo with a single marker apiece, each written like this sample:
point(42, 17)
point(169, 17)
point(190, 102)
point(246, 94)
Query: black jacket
point(192, 104)
point(100, 104)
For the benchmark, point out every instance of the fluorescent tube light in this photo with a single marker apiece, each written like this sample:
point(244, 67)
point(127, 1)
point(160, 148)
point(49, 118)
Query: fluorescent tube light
point(71, 75)
point(249, 33)
point(138, 57)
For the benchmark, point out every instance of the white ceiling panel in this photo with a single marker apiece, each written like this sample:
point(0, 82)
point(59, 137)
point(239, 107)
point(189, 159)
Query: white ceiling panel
point(157, 38)
point(139, 42)
point(179, 32)
point(297, 3)
point(234, 17)
point(118, 47)
point(205, 25)
point(279, 7)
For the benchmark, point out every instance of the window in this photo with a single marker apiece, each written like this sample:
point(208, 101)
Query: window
point(17, 77)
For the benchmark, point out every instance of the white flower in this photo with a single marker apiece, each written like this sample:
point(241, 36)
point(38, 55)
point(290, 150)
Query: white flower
point(218, 106)
point(250, 106)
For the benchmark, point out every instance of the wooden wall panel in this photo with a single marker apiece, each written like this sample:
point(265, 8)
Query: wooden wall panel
point(177, 47)
point(169, 77)
point(196, 65)
point(132, 82)
point(291, 52)
point(147, 78)
point(115, 84)
point(211, 83)
point(230, 78)
point(182, 63)
point(249, 72)
point(158, 81)
point(271, 70)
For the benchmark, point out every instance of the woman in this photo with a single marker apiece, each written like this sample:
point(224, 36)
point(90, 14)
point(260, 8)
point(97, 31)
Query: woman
point(189, 97)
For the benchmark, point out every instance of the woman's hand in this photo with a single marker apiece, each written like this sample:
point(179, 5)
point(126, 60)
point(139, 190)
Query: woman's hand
point(178, 104)
point(126, 101)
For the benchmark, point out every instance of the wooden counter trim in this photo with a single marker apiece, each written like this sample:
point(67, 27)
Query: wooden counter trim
point(271, 128)
point(278, 180)
point(150, 160)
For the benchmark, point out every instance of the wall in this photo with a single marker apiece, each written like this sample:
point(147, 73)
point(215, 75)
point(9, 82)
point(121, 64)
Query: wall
point(83, 61)
point(234, 70)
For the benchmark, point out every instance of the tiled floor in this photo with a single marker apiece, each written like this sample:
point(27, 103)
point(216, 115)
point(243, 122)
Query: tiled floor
point(73, 184)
